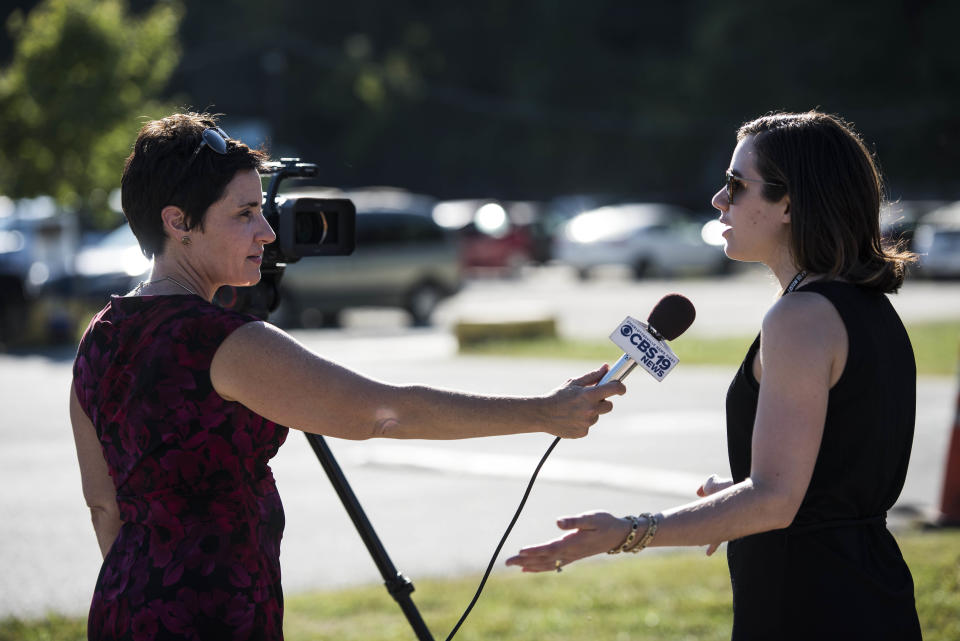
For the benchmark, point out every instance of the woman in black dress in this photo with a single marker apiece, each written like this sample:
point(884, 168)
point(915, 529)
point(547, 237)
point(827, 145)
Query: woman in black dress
point(820, 416)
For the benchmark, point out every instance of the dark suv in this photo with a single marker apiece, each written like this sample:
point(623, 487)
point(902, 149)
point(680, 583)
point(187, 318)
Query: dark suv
point(402, 259)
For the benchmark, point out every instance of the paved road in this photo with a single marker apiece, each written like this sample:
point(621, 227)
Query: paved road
point(440, 508)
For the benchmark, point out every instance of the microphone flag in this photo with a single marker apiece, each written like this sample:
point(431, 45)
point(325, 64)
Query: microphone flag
point(642, 347)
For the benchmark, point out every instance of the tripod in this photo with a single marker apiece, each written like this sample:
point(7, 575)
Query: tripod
point(260, 300)
point(399, 586)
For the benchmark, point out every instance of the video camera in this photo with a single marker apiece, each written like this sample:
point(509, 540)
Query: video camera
point(304, 227)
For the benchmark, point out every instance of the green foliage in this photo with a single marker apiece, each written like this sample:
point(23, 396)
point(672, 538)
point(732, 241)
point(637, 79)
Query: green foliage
point(523, 100)
point(84, 75)
point(535, 99)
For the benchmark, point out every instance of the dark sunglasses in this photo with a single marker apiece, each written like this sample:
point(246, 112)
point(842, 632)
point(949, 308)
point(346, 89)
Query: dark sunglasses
point(734, 183)
point(213, 137)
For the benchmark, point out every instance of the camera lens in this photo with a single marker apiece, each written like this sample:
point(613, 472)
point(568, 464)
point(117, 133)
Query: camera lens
point(309, 227)
point(315, 227)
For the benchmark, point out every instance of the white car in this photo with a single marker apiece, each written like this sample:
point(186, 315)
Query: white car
point(112, 265)
point(648, 238)
point(937, 241)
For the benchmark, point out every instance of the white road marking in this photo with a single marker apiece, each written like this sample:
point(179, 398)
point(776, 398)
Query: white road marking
point(564, 470)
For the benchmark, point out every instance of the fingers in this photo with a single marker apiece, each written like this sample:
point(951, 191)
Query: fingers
point(540, 558)
point(610, 388)
point(712, 548)
point(581, 522)
point(576, 406)
point(591, 403)
point(591, 533)
point(590, 378)
point(713, 485)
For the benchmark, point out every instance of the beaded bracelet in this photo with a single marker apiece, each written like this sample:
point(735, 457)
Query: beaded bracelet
point(652, 523)
point(623, 547)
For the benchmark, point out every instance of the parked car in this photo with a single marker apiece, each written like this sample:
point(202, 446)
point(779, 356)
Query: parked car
point(402, 259)
point(112, 265)
point(554, 214)
point(493, 236)
point(38, 241)
point(899, 219)
point(504, 253)
point(937, 241)
point(647, 238)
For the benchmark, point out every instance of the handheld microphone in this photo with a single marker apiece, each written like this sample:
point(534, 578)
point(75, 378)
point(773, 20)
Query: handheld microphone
point(645, 344)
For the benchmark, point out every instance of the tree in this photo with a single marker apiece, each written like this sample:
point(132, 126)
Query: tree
point(84, 76)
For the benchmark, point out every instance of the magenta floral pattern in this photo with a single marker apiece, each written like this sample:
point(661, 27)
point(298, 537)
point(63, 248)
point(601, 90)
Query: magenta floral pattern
point(198, 556)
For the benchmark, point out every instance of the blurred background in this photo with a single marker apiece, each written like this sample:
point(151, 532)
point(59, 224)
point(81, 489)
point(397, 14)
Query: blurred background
point(498, 121)
point(518, 161)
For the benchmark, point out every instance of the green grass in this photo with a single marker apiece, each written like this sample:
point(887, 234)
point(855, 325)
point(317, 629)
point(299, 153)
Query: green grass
point(664, 595)
point(935, 345)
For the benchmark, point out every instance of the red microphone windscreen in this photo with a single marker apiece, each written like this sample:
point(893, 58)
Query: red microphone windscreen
point(672, 316)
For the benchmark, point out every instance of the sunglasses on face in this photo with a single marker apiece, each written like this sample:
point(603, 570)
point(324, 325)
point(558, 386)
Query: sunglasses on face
point(735, 183)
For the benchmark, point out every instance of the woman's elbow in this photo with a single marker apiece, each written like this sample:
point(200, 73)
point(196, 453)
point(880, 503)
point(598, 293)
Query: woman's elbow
point(780, 506)
point(342, 427)
point(782, 517)
point(104, 514)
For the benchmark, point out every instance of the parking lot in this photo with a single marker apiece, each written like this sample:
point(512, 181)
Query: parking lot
point(652, 452)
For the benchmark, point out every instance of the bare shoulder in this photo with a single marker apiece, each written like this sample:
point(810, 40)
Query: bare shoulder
point(258, 335)
point(804, 331)
point(803, 315)
point(255, 351)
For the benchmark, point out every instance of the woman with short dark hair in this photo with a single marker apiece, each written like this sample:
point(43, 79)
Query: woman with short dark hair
point(820, 415)
point(177, 405)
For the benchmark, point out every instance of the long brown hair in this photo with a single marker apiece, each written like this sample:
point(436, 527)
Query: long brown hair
point(835, 191)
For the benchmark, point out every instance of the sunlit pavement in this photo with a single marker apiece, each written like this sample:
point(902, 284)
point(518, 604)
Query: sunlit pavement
point(439, 507)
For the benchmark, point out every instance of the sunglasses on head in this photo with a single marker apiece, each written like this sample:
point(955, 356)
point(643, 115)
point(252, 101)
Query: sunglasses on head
point(213, 137)
point(734, 183)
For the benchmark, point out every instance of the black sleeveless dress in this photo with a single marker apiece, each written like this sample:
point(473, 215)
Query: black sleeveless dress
point(836, 572)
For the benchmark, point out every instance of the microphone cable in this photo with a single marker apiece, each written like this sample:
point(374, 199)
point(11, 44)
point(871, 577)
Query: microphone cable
point(503, 539)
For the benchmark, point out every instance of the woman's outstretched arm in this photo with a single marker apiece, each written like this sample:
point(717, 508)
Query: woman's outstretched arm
point(268, 371)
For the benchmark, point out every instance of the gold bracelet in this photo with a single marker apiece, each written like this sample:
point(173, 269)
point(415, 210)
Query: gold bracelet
point(623, 547)
point(652, 523)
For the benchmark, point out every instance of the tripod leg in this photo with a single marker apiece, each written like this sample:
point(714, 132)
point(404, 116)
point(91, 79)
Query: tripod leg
point(397, 585)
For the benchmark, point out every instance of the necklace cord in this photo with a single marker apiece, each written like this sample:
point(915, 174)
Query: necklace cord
point(139, 288)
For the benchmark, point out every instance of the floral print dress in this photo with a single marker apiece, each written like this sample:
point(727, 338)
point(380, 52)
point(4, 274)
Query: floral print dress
point(198, 555)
